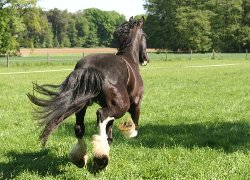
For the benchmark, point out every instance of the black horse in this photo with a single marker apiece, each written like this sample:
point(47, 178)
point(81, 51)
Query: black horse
point(112, 81)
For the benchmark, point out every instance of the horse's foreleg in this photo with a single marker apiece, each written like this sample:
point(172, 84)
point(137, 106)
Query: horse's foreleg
point(78, 154)
point(135, 110)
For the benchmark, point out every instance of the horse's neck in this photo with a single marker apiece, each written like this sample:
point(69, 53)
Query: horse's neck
point(131, 55)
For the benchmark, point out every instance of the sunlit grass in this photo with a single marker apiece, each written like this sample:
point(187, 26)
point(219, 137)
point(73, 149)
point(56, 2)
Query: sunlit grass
point(195, 124)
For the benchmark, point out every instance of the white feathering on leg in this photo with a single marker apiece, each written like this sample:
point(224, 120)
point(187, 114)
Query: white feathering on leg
point(100, 142)
point(128, 129)
point(133, 134)
point(79, 152)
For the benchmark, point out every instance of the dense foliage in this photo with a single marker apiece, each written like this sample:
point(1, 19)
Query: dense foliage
point(223, 25)
point(194, 24)
point(22, 24)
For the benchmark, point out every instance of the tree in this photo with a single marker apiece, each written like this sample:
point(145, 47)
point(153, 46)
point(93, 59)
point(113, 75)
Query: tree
point(59, 20)
point(245, 28)
point(101, 26)
point(193, 28)
point(12, 25)
point(48, 37)
point(194, 24)
point(82, 27)
point(72, 32)
point(5, 35)
point(226, 23)
point(36, 29)
point(161, 23)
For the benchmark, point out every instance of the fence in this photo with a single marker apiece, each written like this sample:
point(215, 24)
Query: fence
point(190, 56)
point(45, 59)
point(9, 61)
point(171, 55)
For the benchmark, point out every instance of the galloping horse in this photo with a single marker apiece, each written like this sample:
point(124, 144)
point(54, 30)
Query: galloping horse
point(112, 81)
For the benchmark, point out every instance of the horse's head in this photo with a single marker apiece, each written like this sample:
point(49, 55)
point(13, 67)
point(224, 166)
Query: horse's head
point(143, 55)
point(130, 34)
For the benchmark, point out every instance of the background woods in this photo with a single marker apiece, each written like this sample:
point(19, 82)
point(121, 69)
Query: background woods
point(22, 24)
point(223, 25)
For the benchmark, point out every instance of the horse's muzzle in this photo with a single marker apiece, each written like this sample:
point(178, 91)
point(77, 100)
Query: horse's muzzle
point(144, 63)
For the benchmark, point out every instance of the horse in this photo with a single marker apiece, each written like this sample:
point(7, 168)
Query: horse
point(111, 80)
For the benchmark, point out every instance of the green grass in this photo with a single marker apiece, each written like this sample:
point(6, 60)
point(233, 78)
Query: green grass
point(195, 124)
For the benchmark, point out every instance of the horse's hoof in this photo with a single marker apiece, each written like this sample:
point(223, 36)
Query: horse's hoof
point(134, 134)
point(82, 162)
point(110, 140)
point(100, 163)
point(128, 129)
point(78, 154)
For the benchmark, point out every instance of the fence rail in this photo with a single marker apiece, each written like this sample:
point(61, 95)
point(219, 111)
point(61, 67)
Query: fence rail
point(8, 61)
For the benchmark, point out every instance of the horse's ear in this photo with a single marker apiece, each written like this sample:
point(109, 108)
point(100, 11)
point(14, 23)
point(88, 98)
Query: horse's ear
point(141, 22)
point(131, 19)
point(142, 19)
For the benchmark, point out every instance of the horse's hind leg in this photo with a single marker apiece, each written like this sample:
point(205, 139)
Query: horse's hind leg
point(109, 132)
point(115, 108)
point(101, 146)
point(78, 154)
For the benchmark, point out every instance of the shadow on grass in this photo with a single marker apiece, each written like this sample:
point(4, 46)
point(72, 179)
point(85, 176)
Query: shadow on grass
point(229, 136)
point(40, 163)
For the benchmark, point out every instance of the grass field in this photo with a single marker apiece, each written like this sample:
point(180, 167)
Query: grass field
point(195, 124)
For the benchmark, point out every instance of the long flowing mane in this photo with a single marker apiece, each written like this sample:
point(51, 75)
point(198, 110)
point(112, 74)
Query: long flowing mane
point(122, 34)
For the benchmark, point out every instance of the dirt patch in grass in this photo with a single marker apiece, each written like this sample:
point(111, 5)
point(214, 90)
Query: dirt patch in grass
point(40, 51)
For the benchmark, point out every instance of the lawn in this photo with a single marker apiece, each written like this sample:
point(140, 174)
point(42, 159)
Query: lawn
point(195, 124)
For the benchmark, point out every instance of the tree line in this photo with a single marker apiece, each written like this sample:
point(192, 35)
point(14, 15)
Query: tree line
point(22, 24)
point(223, 25)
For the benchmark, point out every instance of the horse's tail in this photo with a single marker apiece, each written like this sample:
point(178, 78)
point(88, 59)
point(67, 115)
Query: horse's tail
point(77, 91)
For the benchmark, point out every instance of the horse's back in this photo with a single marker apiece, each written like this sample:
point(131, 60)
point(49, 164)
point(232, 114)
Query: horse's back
point(107, 61)
point(112, 67)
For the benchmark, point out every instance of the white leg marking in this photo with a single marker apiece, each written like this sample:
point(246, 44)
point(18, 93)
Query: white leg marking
point(145, 63)
point(133, 134)
point(79, 152)
point(100, 142)
point(128, 129)
point(102, 127)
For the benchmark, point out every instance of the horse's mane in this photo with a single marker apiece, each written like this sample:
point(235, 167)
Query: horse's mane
point(122, 34)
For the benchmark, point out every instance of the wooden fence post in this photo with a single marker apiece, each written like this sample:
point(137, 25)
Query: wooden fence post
point(7, 60)
point(47, 57)
point(213, 55)
point(246, 53)
point(83, 54)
